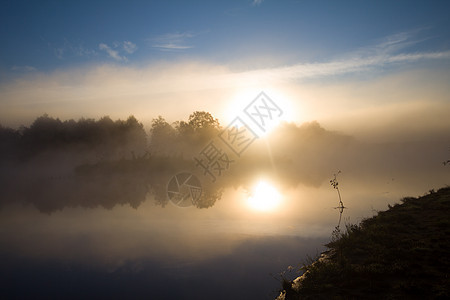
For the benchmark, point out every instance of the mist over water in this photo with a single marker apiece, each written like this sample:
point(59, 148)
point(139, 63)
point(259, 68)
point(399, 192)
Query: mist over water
point(86, 208)
point(193, 149)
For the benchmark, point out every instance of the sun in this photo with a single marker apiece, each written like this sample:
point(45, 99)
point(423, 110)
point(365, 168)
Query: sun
point(264, 197)
point(238, 103)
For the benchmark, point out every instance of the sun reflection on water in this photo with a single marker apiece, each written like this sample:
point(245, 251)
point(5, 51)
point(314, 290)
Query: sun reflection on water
point(264, 197)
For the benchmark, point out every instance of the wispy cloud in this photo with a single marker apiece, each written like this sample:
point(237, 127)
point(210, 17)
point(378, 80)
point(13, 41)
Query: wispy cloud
point(69, 49)
point(391, 44)
point(341, 67)
point(111, 52)
point(75, 92)
point(23, 68)
point(172, 41)
point(117, 48)
point(257, 2)
point(384, 54)
point(129, 47)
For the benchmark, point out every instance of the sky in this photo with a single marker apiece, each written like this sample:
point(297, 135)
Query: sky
point(49, 35)
point(337, 63)
point(374, 74)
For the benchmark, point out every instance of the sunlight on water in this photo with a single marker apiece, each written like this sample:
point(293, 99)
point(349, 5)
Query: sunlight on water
point(264, 197)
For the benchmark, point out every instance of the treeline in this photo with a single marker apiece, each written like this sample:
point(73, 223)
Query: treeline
point(106, 138)
point(54, 164)
point(182, 137)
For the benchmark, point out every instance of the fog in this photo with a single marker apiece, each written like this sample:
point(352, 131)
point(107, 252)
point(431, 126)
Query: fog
point(109, 169)
point(89, 199)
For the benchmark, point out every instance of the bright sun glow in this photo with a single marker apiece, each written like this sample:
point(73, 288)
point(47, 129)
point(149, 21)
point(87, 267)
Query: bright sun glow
point(239, 102)
point(265, 197)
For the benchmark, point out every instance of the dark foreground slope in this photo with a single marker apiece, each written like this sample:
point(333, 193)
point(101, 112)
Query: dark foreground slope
point(401, 253)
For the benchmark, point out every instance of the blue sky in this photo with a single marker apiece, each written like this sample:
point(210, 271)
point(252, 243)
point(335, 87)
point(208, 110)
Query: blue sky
point(338, 62)
point(45, 35)
point(377, 70)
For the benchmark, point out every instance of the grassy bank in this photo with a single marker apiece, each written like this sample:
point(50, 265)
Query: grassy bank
point(401, 253)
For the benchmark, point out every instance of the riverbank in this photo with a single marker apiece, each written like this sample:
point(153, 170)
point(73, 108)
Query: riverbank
point(401, 253)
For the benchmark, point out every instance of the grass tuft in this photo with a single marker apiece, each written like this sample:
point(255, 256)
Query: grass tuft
point(400, 253)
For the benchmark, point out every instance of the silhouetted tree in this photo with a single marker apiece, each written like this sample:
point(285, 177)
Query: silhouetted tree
point(163, 136)
point(9, 139)
point(105, 137)
point(200, 128)
point(203, 120)
point(135, 137)
point(209, 196)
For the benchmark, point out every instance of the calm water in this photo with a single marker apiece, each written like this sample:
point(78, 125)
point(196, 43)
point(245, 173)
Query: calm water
point(227, 251)
point(108, 230)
